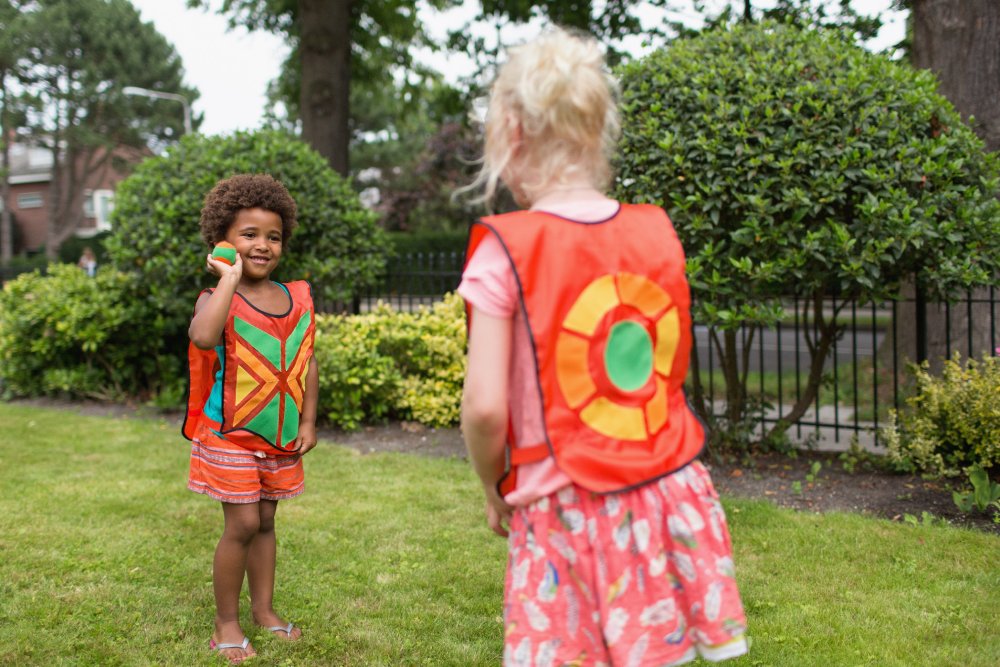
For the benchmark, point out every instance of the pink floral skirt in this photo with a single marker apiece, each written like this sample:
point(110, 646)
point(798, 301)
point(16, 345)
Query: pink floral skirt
point(642, 577)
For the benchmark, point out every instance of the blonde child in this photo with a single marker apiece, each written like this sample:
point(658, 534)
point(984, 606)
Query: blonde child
point(573, 411)
point(252, 404)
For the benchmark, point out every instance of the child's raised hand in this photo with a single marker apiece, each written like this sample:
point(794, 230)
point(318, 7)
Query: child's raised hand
point(222, 269)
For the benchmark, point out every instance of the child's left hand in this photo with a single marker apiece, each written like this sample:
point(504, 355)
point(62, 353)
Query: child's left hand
point(306, 438)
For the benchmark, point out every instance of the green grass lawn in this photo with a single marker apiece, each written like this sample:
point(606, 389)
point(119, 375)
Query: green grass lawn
point(385, 560)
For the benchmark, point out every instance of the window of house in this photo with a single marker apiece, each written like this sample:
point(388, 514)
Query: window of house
point(102, 202)
point(88, 204)
point(30, 200)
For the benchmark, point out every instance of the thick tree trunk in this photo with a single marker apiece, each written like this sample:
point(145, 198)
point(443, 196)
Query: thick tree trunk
point(55, 197)
point(325, 50)
point(69, 178)
point(6, 220)
point(959, 40)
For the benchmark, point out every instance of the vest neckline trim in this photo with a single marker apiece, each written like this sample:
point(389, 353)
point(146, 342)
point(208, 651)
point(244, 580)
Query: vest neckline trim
point(288, 293)
point(579, 222)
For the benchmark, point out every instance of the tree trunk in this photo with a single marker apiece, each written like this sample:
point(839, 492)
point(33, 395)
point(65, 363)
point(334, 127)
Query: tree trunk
point(6, 221)
point(959, 40)
point(325, 50)
point(69, 179)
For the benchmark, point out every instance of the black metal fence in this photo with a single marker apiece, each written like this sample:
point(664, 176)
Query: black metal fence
point(865, 373)
point(410, 280)
point(867, 370)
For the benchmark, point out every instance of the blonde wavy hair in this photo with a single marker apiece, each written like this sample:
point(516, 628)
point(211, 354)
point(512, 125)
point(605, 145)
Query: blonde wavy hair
point(556, 88)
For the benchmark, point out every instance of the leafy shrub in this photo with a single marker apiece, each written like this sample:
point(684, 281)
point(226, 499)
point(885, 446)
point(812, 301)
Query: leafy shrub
point(953, 421)
point(392, 364)
point(428, 347)
point(66, 333)
point(357, 383)
point(793, 162)
point(337, 245)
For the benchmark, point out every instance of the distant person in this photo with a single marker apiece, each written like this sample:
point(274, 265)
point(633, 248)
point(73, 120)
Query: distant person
point(252, 405)
point(88, 261)
point(573, 411)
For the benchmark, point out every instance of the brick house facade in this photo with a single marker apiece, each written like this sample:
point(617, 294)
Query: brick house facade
point(30, 179)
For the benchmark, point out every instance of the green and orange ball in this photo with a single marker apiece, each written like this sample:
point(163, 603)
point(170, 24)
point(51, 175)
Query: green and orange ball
point(224, 252)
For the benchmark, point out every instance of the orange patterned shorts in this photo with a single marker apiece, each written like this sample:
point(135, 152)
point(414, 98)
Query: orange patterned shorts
point(229, 473)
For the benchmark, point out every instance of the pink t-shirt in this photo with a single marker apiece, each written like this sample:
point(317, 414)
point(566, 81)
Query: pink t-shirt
point(488, 285)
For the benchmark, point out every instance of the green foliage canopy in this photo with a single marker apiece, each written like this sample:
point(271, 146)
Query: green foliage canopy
point(337, 246)
point(795, 163)
point(392, 97)
point(79, 54)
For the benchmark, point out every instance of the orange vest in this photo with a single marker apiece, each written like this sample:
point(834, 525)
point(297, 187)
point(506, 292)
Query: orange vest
point(608, 313)
point(263, 385)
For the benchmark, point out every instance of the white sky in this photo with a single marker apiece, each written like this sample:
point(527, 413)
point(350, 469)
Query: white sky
point(231, 68)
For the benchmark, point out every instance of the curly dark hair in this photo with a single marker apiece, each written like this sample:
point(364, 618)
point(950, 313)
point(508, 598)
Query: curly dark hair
point(232, 195)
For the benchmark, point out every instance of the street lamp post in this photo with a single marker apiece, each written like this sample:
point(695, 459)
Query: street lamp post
point(145, 92)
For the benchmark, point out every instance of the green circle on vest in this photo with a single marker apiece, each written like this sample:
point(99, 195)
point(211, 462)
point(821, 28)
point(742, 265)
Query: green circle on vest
point(628, 356)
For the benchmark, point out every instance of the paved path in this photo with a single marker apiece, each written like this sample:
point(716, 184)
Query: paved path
point(780, 349)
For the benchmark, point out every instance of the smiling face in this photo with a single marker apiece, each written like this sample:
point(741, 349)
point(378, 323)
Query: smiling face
point(256, 233)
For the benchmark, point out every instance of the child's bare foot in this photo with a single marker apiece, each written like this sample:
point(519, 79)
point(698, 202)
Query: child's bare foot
point(271, 621)
point(229, 642)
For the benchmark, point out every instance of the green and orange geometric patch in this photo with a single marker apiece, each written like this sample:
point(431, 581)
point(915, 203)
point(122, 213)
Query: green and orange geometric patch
point(270, 381)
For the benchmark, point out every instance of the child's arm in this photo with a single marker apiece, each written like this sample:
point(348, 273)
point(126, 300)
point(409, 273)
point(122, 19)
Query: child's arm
point(484, 409)
point(211, 311)
point(306, 438)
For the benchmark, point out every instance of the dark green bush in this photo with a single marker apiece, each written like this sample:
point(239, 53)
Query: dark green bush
point(795, 163)
point(72, 248)
point(21, 264)
point(337, 245)
point(440, 241)
point(68, 334)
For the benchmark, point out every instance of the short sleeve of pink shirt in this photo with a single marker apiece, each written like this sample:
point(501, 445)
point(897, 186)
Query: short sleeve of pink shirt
point(488, 281)
point(488, 285)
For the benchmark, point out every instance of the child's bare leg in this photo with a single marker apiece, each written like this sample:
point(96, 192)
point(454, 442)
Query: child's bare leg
point(229, 566)
point(261, 561)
